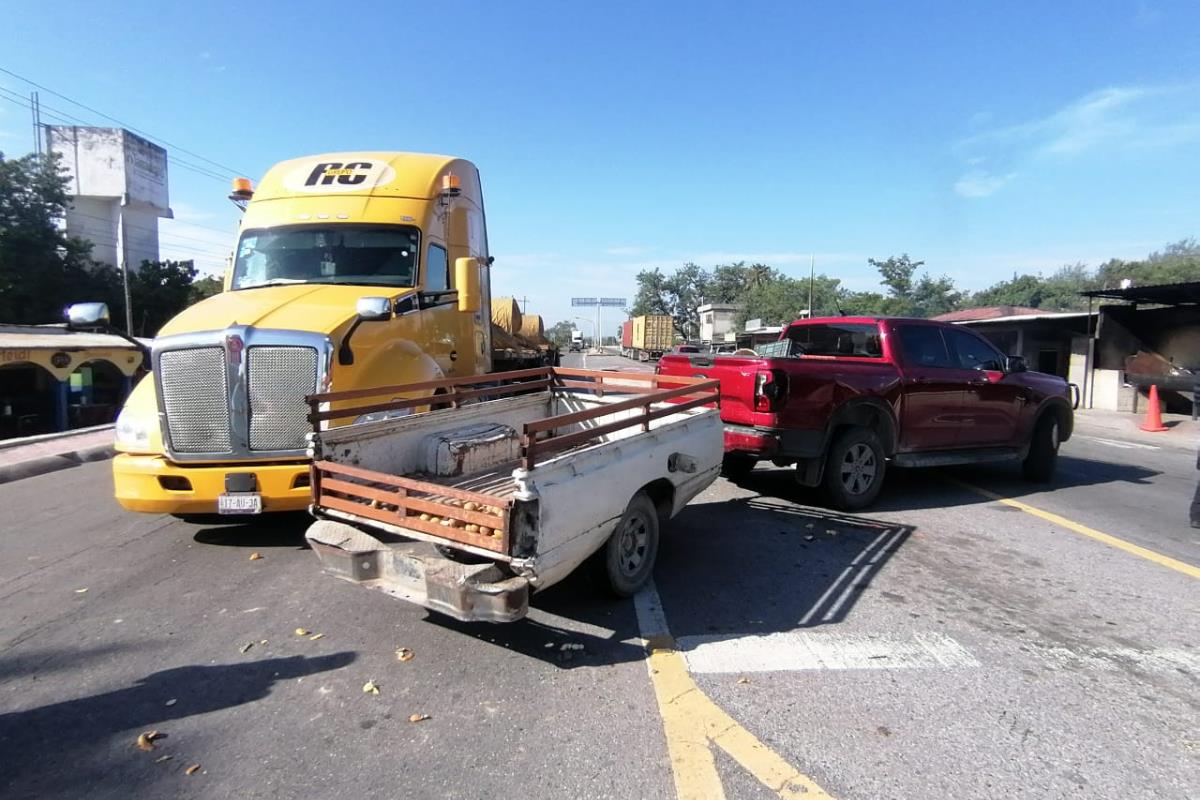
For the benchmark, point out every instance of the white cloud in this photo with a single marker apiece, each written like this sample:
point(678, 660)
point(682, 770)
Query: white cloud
point(1131, 116)
point(628, 250)
point(980, 183)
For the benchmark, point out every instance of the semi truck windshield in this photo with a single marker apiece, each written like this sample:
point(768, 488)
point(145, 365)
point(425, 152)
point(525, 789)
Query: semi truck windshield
point(353, 254)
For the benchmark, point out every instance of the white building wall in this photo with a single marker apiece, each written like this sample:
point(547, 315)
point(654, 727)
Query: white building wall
point(117, 179)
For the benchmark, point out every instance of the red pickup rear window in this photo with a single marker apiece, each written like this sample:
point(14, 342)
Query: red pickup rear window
point(856, 340)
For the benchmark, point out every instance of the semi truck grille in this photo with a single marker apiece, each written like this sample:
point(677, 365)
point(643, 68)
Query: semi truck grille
point(279, 378)
point(196, 399)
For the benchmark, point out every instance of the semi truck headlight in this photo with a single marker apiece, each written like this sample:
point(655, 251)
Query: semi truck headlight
point(133, 430)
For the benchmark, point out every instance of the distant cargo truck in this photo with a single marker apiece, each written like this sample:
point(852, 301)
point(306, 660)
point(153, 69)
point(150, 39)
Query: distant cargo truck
point(647, 337)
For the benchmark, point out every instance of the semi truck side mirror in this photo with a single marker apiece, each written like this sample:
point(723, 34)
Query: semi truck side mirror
point(87, 315)
point(373, 309)
point(466, 281)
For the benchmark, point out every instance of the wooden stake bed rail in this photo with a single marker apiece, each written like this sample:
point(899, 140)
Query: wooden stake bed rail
point(473, 518)
point(401, 501)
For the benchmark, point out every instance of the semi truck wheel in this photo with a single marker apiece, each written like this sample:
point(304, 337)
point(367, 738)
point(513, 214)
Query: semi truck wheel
point(626, 561)
point(854, 469)
point(1042, 458)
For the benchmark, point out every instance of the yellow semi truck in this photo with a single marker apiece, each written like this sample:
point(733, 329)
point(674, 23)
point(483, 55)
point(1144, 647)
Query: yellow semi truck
point(351, 271)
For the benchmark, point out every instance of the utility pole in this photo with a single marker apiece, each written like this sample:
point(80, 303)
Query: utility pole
point(124, 269)
point(35, 108)
point(813, 274)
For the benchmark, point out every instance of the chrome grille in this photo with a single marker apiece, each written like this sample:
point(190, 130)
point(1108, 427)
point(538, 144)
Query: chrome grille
point(195, 399)
point(279, 378)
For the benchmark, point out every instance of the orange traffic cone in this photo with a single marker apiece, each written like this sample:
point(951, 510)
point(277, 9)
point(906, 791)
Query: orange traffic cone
point(1153, 421)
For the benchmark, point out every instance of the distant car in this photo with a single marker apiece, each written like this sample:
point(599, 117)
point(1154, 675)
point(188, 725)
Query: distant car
point(685, 348)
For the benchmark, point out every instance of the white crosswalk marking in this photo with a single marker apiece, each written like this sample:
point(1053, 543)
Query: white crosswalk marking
point(805, 650)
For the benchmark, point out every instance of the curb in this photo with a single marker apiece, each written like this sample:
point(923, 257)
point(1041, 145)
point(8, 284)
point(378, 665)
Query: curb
point(44, 464)
point(9, 444)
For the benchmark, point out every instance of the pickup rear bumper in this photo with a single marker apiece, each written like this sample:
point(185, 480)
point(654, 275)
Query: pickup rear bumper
point(774, 443)
point(415, 572)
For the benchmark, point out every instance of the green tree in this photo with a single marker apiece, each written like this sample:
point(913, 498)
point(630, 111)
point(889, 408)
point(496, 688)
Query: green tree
point(687, 290)
point(42, 270)
point(912, 296)
point(160, 290)
point(651, 297)
point(205, 288)
point(728, 282)
point(560, 334)
point(781, 299)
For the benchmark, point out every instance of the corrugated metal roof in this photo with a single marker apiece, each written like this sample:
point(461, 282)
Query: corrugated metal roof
point(1022, 317)
point(57, 337)
point(986, 312)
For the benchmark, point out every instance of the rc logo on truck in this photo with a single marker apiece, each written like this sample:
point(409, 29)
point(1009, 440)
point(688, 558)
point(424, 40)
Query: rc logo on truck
point(339, 176)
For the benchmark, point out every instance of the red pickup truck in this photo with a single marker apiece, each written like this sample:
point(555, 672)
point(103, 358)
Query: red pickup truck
point(841, 397)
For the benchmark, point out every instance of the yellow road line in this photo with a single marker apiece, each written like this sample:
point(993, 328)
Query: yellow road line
point(692, 723)
point(1091, 533)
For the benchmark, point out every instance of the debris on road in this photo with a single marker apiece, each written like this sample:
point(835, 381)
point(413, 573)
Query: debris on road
point(246, 647)
point(81, 591)
point(162, 759)
point(303, 631)
point(419, 717)
point(145, 741)
point(316, 636)
point(405, 654)
point(171, 702)
point(370, 687)
point(256, 556)
point(192, 770)
point(743, 680)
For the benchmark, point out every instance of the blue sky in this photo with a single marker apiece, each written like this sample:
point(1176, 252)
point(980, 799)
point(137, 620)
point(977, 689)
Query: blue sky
point(983, 138)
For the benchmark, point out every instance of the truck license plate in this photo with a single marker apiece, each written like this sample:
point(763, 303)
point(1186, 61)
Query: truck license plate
point(240, 503)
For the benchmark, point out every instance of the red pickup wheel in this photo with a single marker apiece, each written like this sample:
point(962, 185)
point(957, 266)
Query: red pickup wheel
point(1039, 464)
point(854, 469)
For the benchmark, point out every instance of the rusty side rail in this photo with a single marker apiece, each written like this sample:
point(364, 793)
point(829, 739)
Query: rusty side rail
point(445, 392)
point(539, 438)
point(401, 501)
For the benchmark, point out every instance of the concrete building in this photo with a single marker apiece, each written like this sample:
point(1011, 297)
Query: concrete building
point(1113, 353)
point(717, 320)
point(118, 186)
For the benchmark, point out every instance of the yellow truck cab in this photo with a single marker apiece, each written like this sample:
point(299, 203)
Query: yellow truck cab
point(352, 270)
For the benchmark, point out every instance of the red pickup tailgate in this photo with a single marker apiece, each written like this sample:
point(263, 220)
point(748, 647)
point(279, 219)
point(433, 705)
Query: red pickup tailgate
point(736, 374)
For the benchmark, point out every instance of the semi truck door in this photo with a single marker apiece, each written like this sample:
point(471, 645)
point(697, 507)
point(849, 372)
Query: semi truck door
point(933, 390)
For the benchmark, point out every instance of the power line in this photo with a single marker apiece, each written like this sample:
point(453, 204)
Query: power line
point(69, 119)
point(164, 142)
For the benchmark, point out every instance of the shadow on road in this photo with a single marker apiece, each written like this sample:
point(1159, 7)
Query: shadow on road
point(745, 566)
point(69, 749)
point(757, 565)
point(915, 489)
point(269, 530)
point(572, 624)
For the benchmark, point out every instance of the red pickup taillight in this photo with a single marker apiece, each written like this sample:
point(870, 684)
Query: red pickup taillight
point(770, 389)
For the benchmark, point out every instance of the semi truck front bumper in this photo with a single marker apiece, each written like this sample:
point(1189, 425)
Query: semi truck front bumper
point(414, 571)
point(154, 485)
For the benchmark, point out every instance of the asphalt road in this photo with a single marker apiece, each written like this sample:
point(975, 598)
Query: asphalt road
point(942, 645)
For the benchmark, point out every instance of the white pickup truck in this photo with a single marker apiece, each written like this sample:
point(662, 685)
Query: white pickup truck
point(513, 481)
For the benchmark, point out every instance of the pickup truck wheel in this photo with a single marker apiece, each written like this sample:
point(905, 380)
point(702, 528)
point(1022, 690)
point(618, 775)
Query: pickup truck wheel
point(737, 467)
point(854, 469)
point(1039, 464)
point(626, 561)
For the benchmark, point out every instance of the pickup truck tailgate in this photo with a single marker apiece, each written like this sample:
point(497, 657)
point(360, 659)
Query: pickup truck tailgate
point(736, 374)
